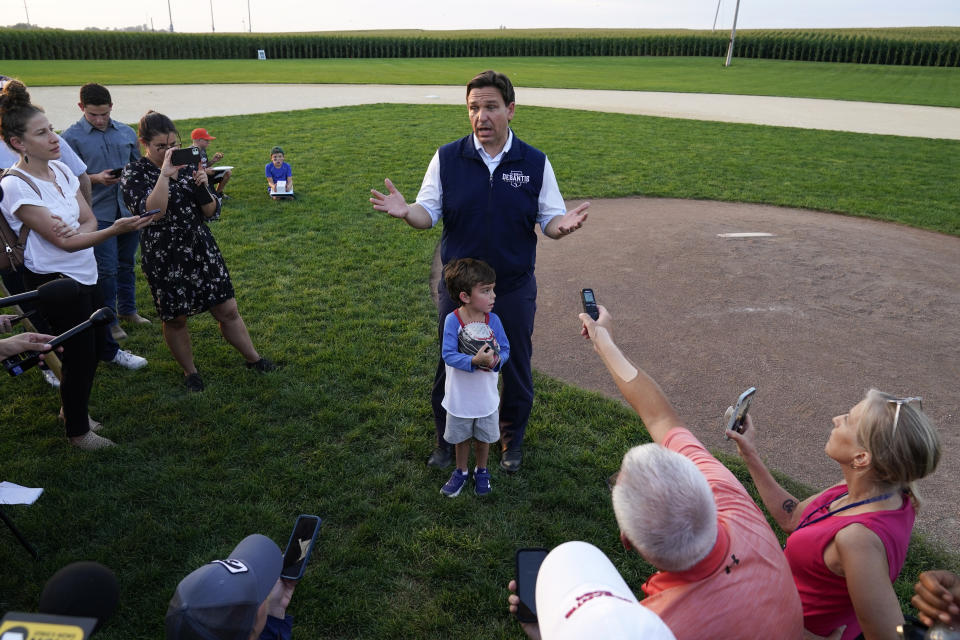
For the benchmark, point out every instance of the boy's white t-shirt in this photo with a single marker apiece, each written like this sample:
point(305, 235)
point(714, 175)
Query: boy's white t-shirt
point(470, 394)
point(41, 256)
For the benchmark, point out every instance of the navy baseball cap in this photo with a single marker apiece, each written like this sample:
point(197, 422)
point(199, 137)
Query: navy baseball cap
point(219, 601)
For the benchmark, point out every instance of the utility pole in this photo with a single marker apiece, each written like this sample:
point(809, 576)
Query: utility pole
point(27, 11)
point(733, 34)
point(213, 29)
point(249, 21)
point(170, 11)
point(715, 16)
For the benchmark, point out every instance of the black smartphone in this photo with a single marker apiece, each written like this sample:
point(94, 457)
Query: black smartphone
point(297, 553)
point(116, 172)
point(528, 566)
point(149, 213)
point(589, 303)
point(740, 410)
point(190, 155)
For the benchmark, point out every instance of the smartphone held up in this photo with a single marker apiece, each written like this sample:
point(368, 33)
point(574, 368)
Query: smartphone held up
point(297, 554)
point(739, 415)
point(589, 302)
point(528, 567)
point(190, 155)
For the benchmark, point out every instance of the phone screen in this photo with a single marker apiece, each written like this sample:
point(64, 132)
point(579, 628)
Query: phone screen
point(298, 550)
point(589, 303)
point(528, 566)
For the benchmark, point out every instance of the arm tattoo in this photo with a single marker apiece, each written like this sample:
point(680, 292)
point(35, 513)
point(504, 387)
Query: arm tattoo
point(789, 505)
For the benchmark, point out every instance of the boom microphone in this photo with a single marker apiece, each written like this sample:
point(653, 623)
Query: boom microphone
point(15, 365)
point(62, 290)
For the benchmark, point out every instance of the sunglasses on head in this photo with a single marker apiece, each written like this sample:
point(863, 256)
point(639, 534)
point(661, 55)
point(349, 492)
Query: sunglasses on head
point(917, 400)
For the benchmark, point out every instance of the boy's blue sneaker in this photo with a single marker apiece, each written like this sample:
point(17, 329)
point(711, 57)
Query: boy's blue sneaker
point(455, 484)
point(481, 481)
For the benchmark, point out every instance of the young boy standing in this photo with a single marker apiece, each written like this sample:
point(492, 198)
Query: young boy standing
point(470, 394)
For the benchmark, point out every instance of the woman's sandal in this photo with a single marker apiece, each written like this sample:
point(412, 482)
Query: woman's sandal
point(91, 442)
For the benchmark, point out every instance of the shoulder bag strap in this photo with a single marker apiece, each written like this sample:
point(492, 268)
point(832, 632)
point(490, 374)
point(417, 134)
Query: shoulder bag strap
point(12, 171)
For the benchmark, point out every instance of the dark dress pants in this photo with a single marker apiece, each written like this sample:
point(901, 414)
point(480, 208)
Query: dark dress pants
point(79, 356)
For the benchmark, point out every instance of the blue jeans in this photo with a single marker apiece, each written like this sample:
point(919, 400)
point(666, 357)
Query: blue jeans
point(115, 274)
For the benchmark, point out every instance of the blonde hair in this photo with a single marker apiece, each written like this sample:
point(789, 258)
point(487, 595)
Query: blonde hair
point(900, 453)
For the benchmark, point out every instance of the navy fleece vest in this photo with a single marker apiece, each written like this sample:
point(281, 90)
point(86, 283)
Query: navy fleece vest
point(492, 218)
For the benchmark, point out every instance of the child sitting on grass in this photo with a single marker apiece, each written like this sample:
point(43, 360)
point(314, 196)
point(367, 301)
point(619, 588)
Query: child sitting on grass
point(470, 395)
point(279, 174)
point(216, 179)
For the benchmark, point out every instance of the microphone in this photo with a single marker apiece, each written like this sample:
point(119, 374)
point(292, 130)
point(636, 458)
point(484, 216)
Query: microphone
point(15, 365)
point(62, 290)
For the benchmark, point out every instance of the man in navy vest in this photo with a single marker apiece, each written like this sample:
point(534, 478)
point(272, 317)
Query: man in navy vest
point(491, 189)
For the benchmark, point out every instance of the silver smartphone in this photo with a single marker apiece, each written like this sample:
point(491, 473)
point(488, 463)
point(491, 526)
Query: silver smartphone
point(740, 410)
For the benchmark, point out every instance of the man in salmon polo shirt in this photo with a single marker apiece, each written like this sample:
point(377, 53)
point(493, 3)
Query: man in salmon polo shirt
point(722, 572)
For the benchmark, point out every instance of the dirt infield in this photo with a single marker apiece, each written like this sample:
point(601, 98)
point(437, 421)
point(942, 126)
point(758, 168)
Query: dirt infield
point(812, 315)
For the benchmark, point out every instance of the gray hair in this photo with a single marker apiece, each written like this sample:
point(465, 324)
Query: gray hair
point(665, 507)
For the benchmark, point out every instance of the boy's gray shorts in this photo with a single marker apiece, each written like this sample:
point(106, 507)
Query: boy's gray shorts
point(485, 429)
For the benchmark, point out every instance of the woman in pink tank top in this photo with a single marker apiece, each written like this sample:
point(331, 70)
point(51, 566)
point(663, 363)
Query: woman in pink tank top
point(848, 543)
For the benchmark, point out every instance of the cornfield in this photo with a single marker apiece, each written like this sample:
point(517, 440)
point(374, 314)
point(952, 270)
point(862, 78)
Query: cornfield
point(937, 47)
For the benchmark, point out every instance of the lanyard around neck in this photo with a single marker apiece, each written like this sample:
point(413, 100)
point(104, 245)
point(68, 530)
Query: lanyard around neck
point(807, 521)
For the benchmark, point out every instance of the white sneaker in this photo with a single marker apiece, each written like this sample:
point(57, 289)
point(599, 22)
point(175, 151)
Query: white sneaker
point(128, 360)
point(91, 442)
point(51, 378)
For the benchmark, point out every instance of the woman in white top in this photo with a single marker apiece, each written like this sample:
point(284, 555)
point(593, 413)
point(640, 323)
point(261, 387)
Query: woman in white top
point(44, 196)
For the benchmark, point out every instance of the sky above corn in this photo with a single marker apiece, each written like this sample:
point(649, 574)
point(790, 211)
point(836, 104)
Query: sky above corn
point(337, 15)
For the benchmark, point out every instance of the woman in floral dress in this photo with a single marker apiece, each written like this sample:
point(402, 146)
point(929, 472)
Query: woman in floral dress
point(179, 256)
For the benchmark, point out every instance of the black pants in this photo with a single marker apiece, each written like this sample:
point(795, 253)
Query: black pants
point(79, 356)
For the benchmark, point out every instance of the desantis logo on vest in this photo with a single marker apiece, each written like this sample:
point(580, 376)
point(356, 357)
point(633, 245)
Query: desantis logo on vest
point(516, 178)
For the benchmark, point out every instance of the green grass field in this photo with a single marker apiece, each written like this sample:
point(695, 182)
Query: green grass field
point(339, 295)
point(934, 86)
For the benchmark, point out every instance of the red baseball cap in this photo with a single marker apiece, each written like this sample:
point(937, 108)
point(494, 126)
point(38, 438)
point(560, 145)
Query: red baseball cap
point(201, 134)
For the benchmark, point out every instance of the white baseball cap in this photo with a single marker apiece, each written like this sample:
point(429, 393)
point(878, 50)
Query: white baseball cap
point(580, 595)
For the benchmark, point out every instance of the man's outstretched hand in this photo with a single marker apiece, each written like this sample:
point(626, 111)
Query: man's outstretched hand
point(572, 220)
point(392, 203)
